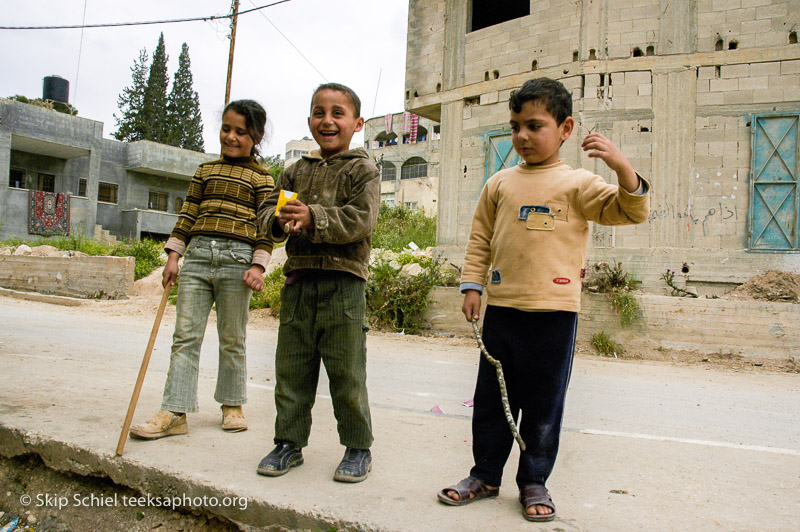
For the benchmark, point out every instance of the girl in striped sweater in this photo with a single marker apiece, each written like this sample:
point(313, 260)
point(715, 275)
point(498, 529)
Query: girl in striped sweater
point(225, 256)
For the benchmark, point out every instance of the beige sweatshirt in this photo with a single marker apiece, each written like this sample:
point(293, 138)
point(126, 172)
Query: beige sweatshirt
point(536, 258)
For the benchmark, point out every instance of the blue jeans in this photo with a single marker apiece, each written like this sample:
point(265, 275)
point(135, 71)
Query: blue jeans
point(211, 274)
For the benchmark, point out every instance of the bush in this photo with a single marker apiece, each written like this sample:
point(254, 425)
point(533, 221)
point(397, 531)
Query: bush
point(397, 226)
point(605, 345)
point(396, 299)
point(618, 284)
point(147, 253)
point(270, 296)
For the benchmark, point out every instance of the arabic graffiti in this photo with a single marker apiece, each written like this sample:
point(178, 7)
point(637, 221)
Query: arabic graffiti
point(722, 212)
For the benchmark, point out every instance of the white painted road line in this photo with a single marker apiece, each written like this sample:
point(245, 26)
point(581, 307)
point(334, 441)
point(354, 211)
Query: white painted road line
point(708, 443)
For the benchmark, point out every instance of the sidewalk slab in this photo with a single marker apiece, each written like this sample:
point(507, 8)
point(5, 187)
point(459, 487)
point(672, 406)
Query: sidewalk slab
point(71, 417)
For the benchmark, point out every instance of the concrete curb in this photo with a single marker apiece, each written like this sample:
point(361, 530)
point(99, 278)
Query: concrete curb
point(66, 457)
point(43, 298)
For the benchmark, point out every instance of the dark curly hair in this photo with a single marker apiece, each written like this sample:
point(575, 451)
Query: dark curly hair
point(545, 91)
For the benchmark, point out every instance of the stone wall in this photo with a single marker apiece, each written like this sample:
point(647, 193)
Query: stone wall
point(748, 328)
point(86, 277)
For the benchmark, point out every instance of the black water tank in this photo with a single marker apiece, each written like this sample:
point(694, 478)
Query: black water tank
point(55, 88)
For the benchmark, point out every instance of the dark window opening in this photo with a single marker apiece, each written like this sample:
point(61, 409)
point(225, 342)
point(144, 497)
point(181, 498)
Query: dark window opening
point(16, 178)
point(475, 100)
point(792, 37)
point(718, 45)
point(496, 74)
point(487, 13)
point(388, 171)
point(386, 139)
point(733, 45)
point(107, 192)
point(486, 76)
point(575, 55)
point(46, 182)
point(592, 54)
point(650, 50)
point(438, 87)
point(82, 187)
point(415, 94)
point(637, 52)
point(158, 201)
point(717, 71)
point(535, 65)
point(407, 94)
point(413, 168)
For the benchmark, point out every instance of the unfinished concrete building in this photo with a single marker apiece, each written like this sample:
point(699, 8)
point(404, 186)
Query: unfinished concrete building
point(703, 96)
point(409, 163)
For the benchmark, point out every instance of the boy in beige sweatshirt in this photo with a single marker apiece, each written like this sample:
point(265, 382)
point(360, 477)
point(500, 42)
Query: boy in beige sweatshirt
point(528, 240)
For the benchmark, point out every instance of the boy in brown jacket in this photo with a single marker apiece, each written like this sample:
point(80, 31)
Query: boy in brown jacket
point(531, 230)
point(329, 227)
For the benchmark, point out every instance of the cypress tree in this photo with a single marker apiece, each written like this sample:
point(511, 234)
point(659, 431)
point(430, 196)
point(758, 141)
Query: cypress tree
point(129, 126)
point(153, 112)
point(185, 125)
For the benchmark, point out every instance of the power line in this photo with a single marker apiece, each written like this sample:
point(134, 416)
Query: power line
point(292, 44)
point(143, 23)
point(80, 49)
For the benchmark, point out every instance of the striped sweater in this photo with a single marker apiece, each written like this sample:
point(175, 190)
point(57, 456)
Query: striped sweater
point(222, 201)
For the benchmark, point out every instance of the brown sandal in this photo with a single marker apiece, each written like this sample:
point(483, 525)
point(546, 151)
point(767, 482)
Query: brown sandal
point(536, 495)
point(469, 490)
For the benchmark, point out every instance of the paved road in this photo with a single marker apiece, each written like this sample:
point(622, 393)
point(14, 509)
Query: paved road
point(673, 426)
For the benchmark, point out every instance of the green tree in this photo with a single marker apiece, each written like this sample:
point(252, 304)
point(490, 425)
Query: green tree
point(184, 123)
point(129, 125)
point(274, 164)
point(153, 112)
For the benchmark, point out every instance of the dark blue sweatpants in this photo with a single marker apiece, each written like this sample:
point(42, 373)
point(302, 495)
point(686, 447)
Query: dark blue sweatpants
point(535, 349)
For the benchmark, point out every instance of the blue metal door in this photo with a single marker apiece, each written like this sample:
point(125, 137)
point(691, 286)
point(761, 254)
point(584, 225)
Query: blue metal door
point(499, 153)
point(774, 207)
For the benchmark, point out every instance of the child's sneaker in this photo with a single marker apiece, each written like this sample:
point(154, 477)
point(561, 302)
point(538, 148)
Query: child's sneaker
point(165, 423)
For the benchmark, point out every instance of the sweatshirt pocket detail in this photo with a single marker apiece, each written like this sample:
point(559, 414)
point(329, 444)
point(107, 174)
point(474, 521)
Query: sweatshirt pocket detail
point(560, 209)
point(541, 221)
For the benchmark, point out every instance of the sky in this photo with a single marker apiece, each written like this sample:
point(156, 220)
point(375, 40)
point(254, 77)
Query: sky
point(360, 43)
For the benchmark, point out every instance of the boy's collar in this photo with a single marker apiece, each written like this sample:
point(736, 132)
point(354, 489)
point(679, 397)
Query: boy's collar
point(315, 155)
point(526, 166)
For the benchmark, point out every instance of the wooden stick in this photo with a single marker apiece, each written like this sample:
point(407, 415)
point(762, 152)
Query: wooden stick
point(126, 427)
point(502, 382)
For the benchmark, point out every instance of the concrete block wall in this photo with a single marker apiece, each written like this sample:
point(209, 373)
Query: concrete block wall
point(631, 25)
point(748, 23)
point(512, 46)
point(425, 59)
point(85, 277)
point(757, 82)
point(748, 328)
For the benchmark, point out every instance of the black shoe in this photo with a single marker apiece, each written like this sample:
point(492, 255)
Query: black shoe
point(355, 465)
point(280, 459)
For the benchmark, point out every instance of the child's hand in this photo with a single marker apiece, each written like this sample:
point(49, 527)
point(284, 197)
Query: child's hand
point(294, 217)
point(472, 305)
point(600, 146)
point(254, 278)
point(170, 273)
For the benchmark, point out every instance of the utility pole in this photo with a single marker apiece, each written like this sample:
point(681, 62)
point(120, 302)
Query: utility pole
point(235, 7)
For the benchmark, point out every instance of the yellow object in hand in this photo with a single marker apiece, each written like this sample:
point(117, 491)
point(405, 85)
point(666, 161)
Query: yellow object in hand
point(285, 195)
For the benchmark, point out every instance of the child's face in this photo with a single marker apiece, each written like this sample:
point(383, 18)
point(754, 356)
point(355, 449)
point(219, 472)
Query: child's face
point(234, 139)
point(536, 135)
point(333, 121)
